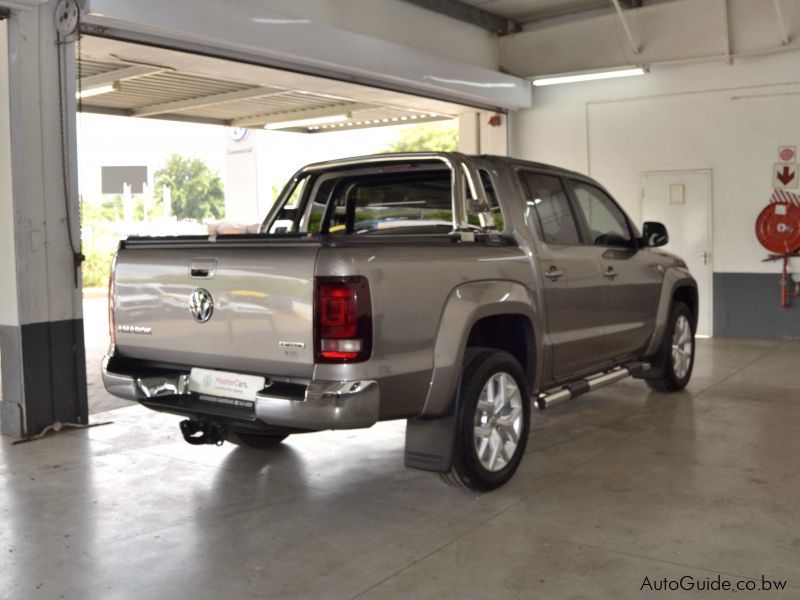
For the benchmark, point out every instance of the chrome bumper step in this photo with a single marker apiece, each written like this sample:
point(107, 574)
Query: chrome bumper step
point(582, 386)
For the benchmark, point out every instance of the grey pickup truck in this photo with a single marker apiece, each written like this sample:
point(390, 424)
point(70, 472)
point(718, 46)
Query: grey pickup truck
point(449, 290)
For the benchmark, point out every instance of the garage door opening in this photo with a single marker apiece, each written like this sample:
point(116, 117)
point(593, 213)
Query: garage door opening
point(173, 143)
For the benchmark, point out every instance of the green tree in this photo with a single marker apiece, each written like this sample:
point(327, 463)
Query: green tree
point(433, 137)
point(197, 192)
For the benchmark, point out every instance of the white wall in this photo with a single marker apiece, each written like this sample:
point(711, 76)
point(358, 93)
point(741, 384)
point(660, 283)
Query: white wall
point(476, 135)
point(8, 299)
point(730, 119)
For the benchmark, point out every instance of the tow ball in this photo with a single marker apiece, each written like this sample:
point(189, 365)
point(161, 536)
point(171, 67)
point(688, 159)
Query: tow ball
point(198, 433)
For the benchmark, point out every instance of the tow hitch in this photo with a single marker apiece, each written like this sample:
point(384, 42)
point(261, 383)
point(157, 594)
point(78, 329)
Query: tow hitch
point(198, 433)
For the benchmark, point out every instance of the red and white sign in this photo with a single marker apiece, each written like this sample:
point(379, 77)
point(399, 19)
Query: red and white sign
point(784, 175)
point(785, 197)
point(787, 154)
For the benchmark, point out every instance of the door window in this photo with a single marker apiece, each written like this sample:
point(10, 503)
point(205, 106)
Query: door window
point(607, 223)
point(548, 207)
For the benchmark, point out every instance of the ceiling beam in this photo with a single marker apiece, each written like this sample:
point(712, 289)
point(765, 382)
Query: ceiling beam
point(726, 23)
point(625, 26)
point(123, 112)
point(781, 24)
point(123, 74)
point(461, 11)
point(206, 101)
point(297, 115)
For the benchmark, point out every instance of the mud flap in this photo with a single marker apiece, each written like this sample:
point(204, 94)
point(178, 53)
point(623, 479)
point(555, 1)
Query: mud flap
point(429, 443)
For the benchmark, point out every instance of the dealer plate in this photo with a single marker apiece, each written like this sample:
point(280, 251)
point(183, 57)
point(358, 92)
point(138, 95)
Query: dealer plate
point(225, 384)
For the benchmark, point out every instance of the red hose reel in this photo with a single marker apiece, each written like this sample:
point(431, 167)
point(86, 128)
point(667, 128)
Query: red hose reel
point(778, 230)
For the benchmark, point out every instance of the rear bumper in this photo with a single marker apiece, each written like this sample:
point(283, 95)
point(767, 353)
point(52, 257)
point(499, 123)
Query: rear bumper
point(320, 405)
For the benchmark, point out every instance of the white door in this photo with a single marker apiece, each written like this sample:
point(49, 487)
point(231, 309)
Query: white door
point(681, 200)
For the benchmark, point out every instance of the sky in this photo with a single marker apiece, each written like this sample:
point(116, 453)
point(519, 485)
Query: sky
point(116, 141)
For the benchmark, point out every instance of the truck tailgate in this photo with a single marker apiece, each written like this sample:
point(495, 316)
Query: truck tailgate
point(261, 294)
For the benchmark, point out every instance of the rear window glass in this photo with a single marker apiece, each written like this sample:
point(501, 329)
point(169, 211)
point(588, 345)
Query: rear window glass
point(392, 203)
point(399, 200)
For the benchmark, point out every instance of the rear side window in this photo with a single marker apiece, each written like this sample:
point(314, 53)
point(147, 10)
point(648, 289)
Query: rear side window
point(607, 223)
point(548, 207)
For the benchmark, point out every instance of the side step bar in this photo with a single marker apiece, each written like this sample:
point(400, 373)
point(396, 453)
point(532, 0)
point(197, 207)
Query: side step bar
point(573, 390)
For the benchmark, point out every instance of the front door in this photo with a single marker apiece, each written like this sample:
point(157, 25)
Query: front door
point(572, 282)
point(633, 276)
point(681, 200)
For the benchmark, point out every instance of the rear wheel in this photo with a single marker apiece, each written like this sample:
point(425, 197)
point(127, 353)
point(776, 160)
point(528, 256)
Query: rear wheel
point(675, 359)
point(256, 440)
point(492, 420)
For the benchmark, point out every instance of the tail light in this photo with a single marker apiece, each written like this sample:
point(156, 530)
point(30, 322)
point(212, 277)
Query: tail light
point(342, 320)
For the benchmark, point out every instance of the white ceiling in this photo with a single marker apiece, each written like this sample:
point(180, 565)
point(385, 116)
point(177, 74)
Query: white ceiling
point(525, 11)
point(160, 83)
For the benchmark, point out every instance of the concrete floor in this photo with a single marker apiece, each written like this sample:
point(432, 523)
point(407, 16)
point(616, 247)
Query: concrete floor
point(619, 485)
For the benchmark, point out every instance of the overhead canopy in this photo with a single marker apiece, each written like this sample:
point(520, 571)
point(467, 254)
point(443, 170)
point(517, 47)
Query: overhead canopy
point(135, 80)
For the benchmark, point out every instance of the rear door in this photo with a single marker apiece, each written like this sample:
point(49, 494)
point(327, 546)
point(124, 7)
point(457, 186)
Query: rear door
point(632, 277)
point(572, 281)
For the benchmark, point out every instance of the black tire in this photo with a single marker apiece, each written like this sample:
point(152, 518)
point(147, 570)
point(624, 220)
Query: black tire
point(480, 365)
point(668, 380)
point(256, 440)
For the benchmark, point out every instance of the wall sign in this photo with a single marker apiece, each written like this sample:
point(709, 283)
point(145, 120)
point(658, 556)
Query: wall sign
point(784, 175)
point(237, 134)
point(787, 154)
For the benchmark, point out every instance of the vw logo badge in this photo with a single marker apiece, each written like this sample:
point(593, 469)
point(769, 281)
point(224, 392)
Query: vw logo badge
point(202, 305)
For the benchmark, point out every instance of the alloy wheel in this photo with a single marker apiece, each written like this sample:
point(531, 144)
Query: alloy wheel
point(498, 421)
point(682, 347)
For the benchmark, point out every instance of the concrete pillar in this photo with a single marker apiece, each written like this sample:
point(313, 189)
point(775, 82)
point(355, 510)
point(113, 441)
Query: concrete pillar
point(483, 132)
point(41, 324)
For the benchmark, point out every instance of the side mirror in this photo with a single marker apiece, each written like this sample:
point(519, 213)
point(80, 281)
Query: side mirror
point(654, 234)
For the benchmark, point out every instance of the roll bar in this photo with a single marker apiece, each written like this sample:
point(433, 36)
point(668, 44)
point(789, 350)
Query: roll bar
point(468, 191)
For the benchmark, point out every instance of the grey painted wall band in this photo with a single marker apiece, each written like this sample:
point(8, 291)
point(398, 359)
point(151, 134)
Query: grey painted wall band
point(43, 376)
point(747, 305)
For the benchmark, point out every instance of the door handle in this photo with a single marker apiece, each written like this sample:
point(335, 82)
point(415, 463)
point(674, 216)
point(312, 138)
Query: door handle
point(203, 269)
point(705, 256)
point(554, 274)
point(610, 272)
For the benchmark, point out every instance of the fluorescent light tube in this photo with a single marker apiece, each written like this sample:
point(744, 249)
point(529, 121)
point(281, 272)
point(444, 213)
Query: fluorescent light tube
point(306, 122)
point(590, 76)
point(96, 91)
